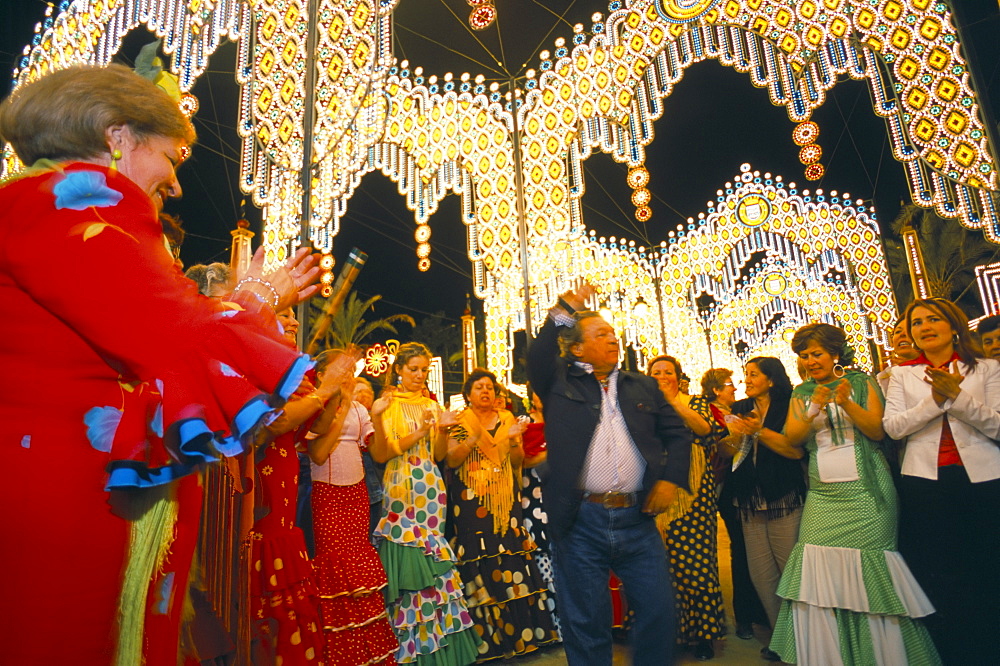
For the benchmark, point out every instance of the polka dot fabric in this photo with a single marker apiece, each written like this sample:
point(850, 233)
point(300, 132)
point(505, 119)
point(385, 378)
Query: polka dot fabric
point(424, 592)
point(848, 530)
point(536, 522)
point(506, 594)
point(350, 579)
point(692, 549)
point(283, 593)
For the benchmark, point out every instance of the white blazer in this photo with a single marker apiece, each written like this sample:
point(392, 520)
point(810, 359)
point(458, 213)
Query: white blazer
point(911, 413)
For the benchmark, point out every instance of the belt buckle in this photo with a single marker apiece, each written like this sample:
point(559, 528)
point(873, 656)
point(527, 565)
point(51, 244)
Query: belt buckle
point(608, 500)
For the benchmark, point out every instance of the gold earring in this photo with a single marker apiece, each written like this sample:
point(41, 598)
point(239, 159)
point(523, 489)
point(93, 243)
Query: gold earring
point(115, 156)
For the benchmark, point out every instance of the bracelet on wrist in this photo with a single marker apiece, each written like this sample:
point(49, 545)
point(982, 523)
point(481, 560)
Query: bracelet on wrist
point(321, 401)
point(256, 280)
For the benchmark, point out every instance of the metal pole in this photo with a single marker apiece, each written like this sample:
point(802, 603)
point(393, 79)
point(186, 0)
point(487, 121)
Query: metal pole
point(308, 121)
point(522, 223)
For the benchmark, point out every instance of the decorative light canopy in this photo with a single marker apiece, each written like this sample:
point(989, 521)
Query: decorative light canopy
point(599, 88)
point(734, 283)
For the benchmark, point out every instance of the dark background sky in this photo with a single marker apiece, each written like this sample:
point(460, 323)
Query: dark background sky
point(713, 122)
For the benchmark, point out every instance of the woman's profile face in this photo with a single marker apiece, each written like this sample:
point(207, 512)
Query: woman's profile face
point(151, 164)
point(413, 373)
point(757, 382)
point(727, 394)
point(289, 324)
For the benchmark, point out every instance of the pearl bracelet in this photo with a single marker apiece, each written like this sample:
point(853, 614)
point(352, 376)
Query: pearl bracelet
point(270, 287)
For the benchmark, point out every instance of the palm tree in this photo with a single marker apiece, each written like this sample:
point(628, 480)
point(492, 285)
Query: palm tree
point(950, 251)
point(348, 326)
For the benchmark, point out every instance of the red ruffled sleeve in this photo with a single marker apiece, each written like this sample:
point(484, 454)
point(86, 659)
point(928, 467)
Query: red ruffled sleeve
point(194, 375)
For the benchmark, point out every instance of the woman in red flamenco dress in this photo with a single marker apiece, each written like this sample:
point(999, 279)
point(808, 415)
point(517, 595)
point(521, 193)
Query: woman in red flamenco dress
point(349, 573)
point(117, 380)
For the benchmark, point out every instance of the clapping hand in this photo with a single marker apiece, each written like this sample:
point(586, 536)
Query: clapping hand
point(822, 396)
point(293, 283)
point(380, 405)
point(518, 427)
point(447, 419)
point(744, 424)
point(945, 383)
point(842, 392)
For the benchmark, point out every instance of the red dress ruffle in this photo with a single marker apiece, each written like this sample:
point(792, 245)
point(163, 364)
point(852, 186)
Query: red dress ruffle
point(350, 577)
point(97, 308)
point(282, 590)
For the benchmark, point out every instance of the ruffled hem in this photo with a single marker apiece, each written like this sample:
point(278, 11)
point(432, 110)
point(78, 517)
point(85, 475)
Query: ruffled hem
point(409, 568)
point(279, 562)
point(188, 441)
point(371, 642)
point(284, 597)
point(516, 628)
point(342, 573)
point(402, 529)
point(455, 649)
point(422, 606)
point(864, 581)
point(837, 637)
point(426, 608)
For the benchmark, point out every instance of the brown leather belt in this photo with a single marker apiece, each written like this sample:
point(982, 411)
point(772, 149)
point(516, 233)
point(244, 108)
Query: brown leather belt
point(612, 500)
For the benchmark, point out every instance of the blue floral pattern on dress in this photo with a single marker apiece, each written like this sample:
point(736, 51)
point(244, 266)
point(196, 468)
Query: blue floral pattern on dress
point(102, 422)
point(80, 190)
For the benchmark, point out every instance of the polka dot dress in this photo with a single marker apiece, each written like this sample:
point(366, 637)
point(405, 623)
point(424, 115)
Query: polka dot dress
point(282, 589)
point(536, 522)
point(424, 591)
point(692, 547)
point(504, 589)
point(350, 578)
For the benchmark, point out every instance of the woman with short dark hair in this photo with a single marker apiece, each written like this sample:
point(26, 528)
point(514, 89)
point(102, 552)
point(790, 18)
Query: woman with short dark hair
point(847, 595)
point(503, 586)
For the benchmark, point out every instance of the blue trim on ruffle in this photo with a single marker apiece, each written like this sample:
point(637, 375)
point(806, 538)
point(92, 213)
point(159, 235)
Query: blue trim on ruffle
point(198, 444)
point(293, 377)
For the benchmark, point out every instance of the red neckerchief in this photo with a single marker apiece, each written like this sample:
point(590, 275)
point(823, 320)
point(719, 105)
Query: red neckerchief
point(947, 450)
point(922, 360)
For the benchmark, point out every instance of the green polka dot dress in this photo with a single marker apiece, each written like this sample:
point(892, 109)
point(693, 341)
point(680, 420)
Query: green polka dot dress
point(847, 595)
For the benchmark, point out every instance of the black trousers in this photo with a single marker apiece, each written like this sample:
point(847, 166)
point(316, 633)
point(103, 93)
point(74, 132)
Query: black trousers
point(949, 535)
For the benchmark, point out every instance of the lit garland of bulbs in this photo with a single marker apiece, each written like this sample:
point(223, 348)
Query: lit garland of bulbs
point(598, 88)
point(805, 135)
point(638, 179)
point(484, 13)
point(822, 261)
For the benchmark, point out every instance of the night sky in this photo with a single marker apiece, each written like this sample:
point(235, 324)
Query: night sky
point(713, 122)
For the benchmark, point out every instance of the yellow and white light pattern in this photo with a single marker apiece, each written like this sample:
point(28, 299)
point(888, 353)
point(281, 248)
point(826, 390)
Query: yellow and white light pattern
point(772, 259)
point(601, 89)
point(352, 47)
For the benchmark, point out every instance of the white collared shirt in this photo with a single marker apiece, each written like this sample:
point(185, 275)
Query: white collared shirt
point(613, 460)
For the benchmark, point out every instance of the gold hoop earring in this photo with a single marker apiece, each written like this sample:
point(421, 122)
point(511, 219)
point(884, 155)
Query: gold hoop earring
point(115, 156)
point(839, 371)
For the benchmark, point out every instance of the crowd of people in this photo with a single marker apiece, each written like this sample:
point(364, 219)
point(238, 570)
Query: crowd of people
point(863, 511)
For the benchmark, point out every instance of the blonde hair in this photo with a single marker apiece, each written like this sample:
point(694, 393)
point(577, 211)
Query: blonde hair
point(64, 115)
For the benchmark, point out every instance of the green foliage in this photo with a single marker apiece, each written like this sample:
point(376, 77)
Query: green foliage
point(349, 327)
point(950, 251)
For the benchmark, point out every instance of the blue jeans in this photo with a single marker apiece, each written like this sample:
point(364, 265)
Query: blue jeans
point(624, 541)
